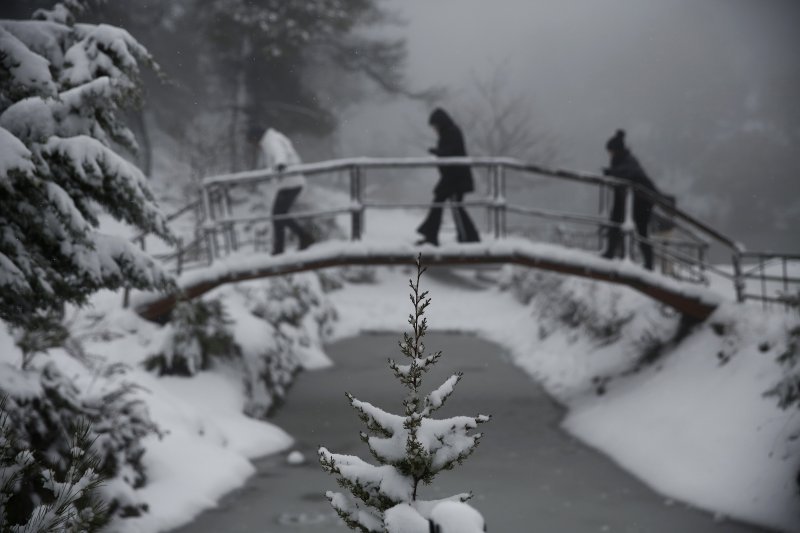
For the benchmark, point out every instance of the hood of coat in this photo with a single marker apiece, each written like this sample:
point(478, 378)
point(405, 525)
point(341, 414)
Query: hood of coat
point(441, 120)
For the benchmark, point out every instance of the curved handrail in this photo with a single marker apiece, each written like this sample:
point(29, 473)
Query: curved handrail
point(336, 165)
point(219, 217)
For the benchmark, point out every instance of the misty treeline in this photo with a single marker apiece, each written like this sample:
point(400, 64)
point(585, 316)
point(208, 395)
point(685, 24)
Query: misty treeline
point(231, 68)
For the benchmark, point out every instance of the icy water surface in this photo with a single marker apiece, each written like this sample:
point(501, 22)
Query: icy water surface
point(528, 476)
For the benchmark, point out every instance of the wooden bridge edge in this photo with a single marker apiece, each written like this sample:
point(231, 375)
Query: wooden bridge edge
point(691, 307)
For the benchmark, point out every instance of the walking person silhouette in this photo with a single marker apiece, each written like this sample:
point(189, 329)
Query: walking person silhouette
point(624, 165)
point(277, 153)
point(454, 182)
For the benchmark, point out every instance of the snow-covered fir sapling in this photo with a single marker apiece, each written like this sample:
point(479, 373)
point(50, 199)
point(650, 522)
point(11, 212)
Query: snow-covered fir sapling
point(411, 448)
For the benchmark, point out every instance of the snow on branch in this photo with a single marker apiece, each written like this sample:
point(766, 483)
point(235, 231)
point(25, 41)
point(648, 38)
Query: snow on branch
point(84, 166)
point(104, 50)
point(14, 158)
point(44, 38)
point(64, 86)
point(27, 73)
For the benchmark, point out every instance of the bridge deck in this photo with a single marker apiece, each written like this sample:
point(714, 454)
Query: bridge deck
point(691, 300)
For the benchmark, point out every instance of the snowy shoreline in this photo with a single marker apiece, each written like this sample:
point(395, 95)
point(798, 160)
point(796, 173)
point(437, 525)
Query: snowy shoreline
point(691, 426)
point(688, 426)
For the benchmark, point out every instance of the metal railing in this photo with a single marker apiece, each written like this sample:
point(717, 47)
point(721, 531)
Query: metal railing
point(683, 255)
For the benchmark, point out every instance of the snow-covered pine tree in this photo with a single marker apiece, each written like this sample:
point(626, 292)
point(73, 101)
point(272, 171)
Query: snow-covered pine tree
point(411, 448)
point(62, 88)
point(70, 499)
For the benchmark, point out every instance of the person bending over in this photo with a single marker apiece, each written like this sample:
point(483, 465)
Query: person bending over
point(277, 153)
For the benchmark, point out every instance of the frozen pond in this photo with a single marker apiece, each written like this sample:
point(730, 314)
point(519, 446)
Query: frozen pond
point(527, 475)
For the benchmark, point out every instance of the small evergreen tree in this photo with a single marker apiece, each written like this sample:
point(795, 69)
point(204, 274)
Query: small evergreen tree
point(200, 330)
point(411, 448)
point(63, 86)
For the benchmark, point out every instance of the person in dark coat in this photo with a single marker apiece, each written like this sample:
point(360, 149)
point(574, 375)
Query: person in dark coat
point(454, 183)
point(624, 165)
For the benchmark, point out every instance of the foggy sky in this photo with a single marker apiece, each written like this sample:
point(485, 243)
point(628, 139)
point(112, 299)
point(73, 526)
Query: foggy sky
point(653, 67)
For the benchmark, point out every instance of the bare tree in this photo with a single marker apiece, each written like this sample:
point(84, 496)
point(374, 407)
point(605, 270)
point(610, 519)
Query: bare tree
point(500, 120)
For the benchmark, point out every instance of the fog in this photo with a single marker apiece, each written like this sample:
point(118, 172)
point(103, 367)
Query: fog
point(706, 89)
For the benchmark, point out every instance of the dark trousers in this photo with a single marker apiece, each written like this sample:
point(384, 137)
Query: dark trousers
point(283, 202)
point(465, 228)
point(642, 210)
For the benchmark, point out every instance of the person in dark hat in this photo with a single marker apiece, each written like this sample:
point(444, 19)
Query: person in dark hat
point(454, 183)
point(624, 165)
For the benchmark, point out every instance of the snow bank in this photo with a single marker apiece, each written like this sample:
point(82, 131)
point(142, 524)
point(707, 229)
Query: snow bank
point(207, 441)
point(205, 452)
point(697, 427)
point(685, 414)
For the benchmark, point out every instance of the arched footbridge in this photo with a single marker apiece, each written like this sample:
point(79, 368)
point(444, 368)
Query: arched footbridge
point(532, 216)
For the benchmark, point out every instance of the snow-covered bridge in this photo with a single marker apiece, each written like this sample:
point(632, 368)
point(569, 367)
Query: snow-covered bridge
point(231, 221)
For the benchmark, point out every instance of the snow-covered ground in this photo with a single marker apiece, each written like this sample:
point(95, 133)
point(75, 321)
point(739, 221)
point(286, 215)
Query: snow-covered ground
point(693, 423)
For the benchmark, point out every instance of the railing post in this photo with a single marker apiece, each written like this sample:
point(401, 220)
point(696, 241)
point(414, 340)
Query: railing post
point(762, 267)
point(498, 201)
point(179, 258)
point(601, 210)
point(628, 227)
point(501, 201)
point(208, 226)
point(492, 192)
point(231, 227)
point(738, 280)
point(701, 253)
point(356, 204)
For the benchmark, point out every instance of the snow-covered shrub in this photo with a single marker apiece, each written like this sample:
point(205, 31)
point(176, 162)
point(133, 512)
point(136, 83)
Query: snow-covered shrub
point(569, 301)
point(299, 318)
point(330, 279)
point(288, 316)
point(411, 448)
point(335, 278)
point(268, 374)
point(62, 91)
point(72, 438)
point(199, 331)
point(787, 390)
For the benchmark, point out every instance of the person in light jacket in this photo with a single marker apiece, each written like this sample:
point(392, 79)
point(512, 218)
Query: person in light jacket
point(277, 153)
point(455, 182)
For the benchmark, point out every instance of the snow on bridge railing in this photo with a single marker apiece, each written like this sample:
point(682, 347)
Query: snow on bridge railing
point(685, 257)
point(496, 203)
point(772, 278)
